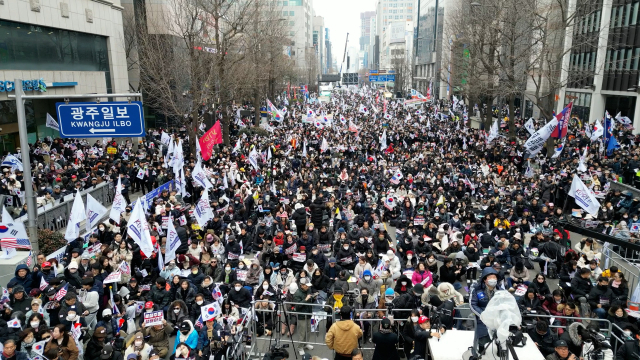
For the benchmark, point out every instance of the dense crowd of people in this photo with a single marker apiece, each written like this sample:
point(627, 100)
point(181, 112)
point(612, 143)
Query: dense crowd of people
point(359, 203)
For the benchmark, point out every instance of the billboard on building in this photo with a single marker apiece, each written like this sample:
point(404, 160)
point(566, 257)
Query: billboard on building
point(397, 30)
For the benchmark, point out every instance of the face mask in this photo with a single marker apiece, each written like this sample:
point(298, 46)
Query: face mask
point(238, 288)
point(265, 287)
point(492, 282)
point(414, 319)
point(109, 255)
point(404, 283)
point(138, 343)
point(558, 301)
point(227, 269)
point(73, 271)
point(367, 278)
point(346, 247)
point(71, 317)
point(361, 241)
point(194, 272)
point(101, 229)
point(176, 311)
point(627, 333)
point(34, 324)
point(407, 241)
point(500, 228)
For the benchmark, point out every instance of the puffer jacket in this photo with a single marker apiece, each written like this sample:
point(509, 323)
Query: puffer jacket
point(343, 337)
point(253, 275)
point(158, 338)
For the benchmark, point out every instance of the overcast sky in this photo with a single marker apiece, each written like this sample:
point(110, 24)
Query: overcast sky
point(342, 17)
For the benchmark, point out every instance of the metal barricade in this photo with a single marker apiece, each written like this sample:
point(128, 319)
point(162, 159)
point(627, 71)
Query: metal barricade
point(319, 314)
point(237, 350)
point(584, 320)
point(631, 272)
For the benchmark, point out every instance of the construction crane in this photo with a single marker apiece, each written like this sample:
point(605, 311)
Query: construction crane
point(344, 57)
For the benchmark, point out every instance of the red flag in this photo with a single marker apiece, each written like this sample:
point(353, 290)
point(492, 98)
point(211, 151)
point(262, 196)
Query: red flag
point(210, 138)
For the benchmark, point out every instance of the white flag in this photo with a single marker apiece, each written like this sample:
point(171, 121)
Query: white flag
point(13, 162)
point(529, 126)
point(304, 149)
point(598, 131)
point(75, 217)
point(95, 212)
point(138, 229)
point(383, 141)
point(165, 139)
point(324, 146)
point(237, 147)
point(173, 243)
point(52, 123)
point(494, 131)
point(558, 150)
point(200, 177)
point(16, 228)
point(203, 211)
point(583, 196)
point(119, 203)
point(537, 140)
point(529, 172)
point(253, 159)
point(581, 166)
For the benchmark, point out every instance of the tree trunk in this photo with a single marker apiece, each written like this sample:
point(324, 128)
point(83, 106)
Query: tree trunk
point(512, 124)
point(256, 105)
point(224, 125)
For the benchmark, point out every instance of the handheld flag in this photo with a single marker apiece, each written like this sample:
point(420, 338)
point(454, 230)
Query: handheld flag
point(95, 212)
point(583, 196)
point(75, 217)
point(52, 123)
point(563, 122)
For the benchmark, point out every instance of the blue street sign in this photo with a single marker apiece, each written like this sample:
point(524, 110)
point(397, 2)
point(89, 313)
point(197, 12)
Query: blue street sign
point(105, 119)
point(381, 78)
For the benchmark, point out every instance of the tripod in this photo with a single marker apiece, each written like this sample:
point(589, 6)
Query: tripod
point(279, 311)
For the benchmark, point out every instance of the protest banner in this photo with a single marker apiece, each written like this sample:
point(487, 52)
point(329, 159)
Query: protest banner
point(153, 318)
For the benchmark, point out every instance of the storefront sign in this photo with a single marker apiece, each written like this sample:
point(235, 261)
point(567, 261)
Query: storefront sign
point(27, 85)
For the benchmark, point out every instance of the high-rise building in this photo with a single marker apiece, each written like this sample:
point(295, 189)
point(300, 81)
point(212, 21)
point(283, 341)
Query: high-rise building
point(388, 11)
point(318, 42)
point(300, 17)
point(328, 58)
point(365, 35)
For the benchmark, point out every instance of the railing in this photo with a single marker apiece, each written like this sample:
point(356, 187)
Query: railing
point(55, 218)
point(237, 350)
point(584, 320)
point(630, 271)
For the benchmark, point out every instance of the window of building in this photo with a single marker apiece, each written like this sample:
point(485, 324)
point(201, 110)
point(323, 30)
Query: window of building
point(627, 16)
point(285, 13)
point(636, 56)
point(285, 3)
point(292, 23)
point(32, 47)
point(614, 61)
point(291, 13)
point(292, 33)
point(614, 12)
point(621, 16)
point(607, 60)
point(629, 58)
point(580, 62)
point(597, 24)
point(634, 14)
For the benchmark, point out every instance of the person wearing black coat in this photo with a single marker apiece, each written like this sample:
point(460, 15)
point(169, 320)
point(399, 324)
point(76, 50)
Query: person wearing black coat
point(318, 258)
point(184, 238)
point(299, 217)
point(539, 284)
point(581, 284)
point(601, 297)
point(447, 271)
point(320, 281)
point(96, 344)
point(317, 210)
point(386, 341)
point(239, 295)
point(530, 301)
point(543, 338)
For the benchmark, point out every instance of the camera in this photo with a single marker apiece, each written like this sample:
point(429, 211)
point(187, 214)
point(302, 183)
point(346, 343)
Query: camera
point(277, 352)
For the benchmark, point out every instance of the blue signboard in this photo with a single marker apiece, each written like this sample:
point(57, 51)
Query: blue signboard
point(107, 119)
point(381, 78)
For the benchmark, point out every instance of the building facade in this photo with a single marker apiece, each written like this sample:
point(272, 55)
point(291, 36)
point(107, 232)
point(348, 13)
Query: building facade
point(65, 47)
point(430, 45)
point(318, 42)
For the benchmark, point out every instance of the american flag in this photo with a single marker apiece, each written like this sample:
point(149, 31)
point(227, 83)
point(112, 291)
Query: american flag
point(199, 322)
point(61, 293)
point(15, 243)
point(29, 260)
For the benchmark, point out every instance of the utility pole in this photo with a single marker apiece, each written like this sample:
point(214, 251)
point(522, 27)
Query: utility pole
point(30, 198)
